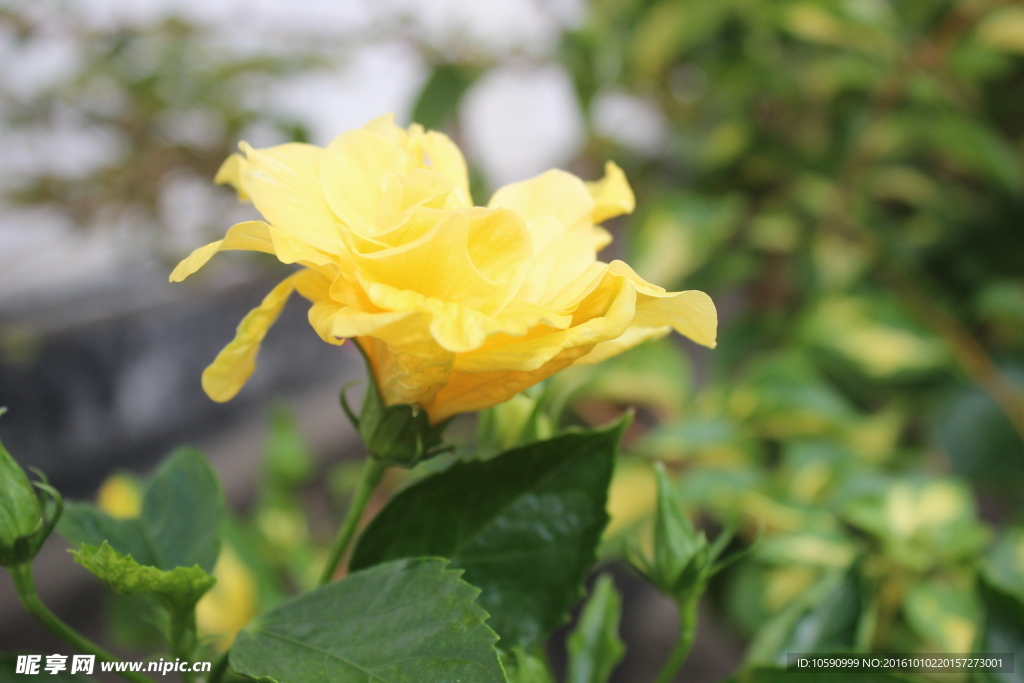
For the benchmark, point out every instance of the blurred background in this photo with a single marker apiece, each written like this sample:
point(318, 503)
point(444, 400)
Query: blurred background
point(844, 177)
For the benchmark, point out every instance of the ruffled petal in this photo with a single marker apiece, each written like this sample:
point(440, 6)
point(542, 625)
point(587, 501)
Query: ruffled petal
point(236, 362)
point(247, 236)
point(691, 314)
point(284, 183)
point(230, 173)
point(354, 170)
point(612, 194)
point(443, 156)
point(604, 315)
point(467, 392)
point(472, 257)
point(410, 374)
point(553, 194)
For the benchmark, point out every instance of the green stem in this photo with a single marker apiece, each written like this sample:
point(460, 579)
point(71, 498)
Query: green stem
point(373, 470)
point(26, 588)
point(687, 631)
point(220, 667)
point(183, 638)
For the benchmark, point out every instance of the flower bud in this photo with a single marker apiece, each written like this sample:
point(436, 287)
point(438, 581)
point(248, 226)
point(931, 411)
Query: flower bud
point(399, 435)
point(21, 515)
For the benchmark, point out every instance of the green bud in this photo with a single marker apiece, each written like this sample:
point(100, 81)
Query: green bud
point(683, 560)
point(23, 527)
point(399, 435)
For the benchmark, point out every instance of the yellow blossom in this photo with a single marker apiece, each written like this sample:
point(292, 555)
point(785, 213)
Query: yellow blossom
point(230, 604)
point(120, 496)
point(458, 307)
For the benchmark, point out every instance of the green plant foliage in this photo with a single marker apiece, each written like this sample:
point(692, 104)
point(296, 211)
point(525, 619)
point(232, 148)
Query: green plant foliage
point(524, 526)
point(594, 645)
point(522, 667)
point(825, 618)
point(181, 510)
point(179, 589)
point(403, 621)
point(782, 675)
point(1003, 630)
point(439, 98)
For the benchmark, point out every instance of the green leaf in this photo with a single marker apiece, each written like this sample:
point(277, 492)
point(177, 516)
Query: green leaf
point(522, 667)
point(288, 461)
point(594, 646)
point(1003, 630)
point(524, 525)
point(400, 622)
point(1004, 566)
point(824, 618)
point(440, 96)
point(943, 614)
point(181, 511)
point(179, 589)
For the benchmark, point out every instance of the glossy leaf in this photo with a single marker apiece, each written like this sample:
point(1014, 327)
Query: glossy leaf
point(179, 589)
point(181, 511)
point(594, 645)
point(524, 525)
point(400, 622)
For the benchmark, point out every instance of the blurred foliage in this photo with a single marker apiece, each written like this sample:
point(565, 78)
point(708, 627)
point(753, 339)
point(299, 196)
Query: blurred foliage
point(150, 105)
point(846, 179)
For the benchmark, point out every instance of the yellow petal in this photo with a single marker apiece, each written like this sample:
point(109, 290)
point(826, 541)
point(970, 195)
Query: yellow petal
point(413, 374)
point(290, 249)
point(247, 236)
point(284, 183)
point(467, 392)
point(236, 362)
point(634, 336)
point(691, 314)
point(602, 238)
point(553, 194)
point(230, 173)
point(354, 170)
point(472, 257)
point(604, 315)
point(612, 194)
point(444, 157)
point(406, 192)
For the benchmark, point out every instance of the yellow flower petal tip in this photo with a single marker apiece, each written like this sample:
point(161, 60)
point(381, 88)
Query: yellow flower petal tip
point(458, 307)
point(612, 194)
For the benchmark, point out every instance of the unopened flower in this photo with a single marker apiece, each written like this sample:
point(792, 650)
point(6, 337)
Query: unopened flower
point(457, 307)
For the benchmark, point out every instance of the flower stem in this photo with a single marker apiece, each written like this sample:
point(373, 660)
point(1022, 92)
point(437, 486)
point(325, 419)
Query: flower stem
point(373, 470)
point(26, 588)
point(220, 667)
point(687, 631)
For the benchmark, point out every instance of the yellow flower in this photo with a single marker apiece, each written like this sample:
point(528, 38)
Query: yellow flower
point(457, 307)
point(120, 496)
point(230, 604)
